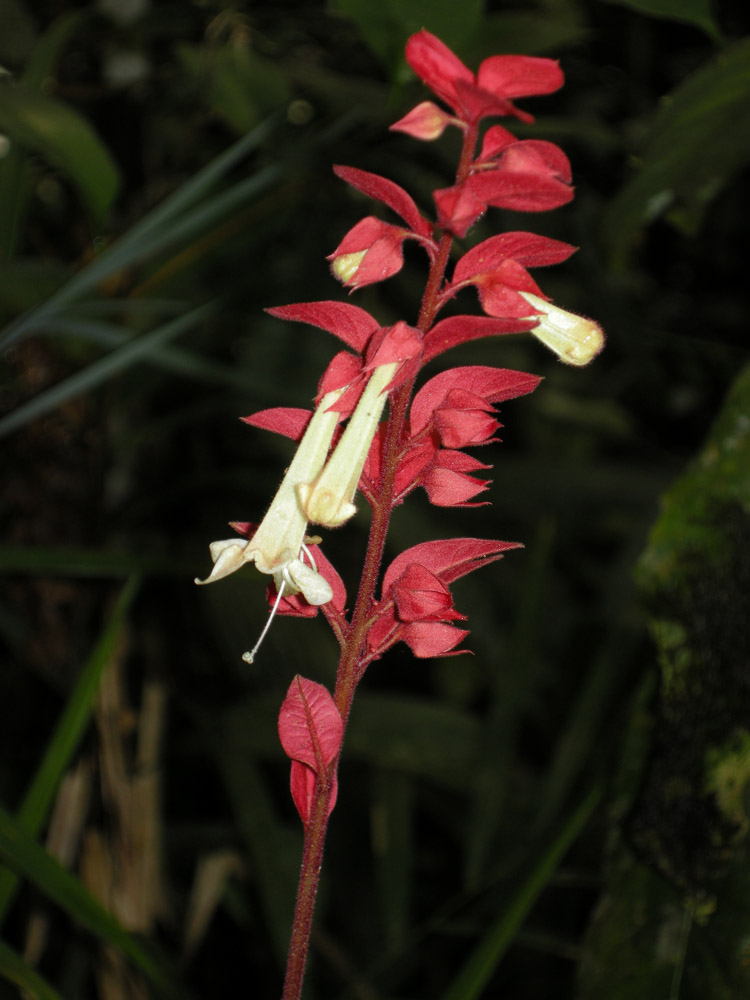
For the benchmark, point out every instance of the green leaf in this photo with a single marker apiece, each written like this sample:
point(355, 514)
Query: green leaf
point(65, 139)
point(49, 47)
point(699, 139)
point(476, 974)
point(235, 82)
point(100, 371)
point(386, 26)
point(696, 12)
point(530, 33)
point(68, 733)
point(20, 851)
point(180, 217)
point(15, 970)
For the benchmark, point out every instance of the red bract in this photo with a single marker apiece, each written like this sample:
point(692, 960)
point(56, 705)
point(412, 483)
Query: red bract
point(447, 482)
point(427, 121)
point(416, 606)
point(311, 730)
point(347, 322)
point(452, 400)
point(451, 411)
point(357, 328)
point(371, 251)
point(528, 176)
point(457, 330)
point(490, 92)
point(497, 267)
point(389, 193)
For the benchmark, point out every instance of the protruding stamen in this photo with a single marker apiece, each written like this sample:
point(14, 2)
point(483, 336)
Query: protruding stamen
point(250, 657)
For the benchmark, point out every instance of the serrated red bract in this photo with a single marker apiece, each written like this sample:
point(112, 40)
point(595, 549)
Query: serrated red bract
point(389, 193)
point(311, 730)
point(347, 322)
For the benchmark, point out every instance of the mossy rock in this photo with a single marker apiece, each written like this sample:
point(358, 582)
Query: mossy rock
point(674, 919)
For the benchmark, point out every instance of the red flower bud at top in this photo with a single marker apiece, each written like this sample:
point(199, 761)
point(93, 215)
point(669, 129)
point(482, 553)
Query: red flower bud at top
point(427, 121)
point(488, 93)
point(371, 251)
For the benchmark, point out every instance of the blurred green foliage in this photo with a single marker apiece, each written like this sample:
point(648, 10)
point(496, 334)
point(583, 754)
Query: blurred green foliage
point(164, 176)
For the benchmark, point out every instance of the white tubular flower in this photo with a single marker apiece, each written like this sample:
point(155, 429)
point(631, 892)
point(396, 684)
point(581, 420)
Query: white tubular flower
point(574, 339)
point(328, 499)
point(276, 546)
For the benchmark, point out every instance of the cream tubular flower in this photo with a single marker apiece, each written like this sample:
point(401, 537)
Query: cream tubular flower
point(574, 339)
point(328, 499)
point(276, 546)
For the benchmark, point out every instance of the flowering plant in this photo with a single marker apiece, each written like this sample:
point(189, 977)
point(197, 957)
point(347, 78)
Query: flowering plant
point(346, 446)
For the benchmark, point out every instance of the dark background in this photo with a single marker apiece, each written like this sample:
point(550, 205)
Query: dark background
point(459, 775)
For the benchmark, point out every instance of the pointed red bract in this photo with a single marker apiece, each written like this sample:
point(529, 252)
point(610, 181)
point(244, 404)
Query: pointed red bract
point(457, 330)
point(497, 267)
point(372, 251)
point(488, 93)
point(290, 421)
point(448, 558)
point(389, 193)
point(528, 249)
point(447, 481)
point(494, 385)
point(349, 323)
point(427, 121)
point(311, 730)
point(520, 76)
point(528, 176)
point(416, 606)
point(458, 208)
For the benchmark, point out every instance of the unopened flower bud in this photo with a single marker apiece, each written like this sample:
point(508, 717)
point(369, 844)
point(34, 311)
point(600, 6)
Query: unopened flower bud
point(427, 121)
point(346, 266)
point(574, 339)
point(371, 251)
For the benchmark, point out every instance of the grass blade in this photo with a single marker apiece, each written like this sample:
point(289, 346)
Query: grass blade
point(101, 370)
point(20, 851)
point(480, 967)
point(67, 735)
point(15, 970)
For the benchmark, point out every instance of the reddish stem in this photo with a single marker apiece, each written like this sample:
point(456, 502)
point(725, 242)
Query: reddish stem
point(350, 671)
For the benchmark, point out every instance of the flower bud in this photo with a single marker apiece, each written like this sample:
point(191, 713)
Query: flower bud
point(371, 251)
point(574, 339)
point(427, 121)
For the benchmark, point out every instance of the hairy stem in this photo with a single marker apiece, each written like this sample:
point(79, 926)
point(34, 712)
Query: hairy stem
point(350, 668)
